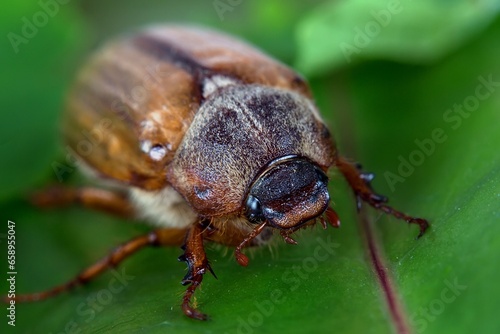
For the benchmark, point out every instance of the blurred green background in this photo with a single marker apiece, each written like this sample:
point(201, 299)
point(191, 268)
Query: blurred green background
point(409, 88)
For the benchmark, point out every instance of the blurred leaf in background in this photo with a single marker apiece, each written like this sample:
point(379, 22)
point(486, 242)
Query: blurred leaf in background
point(409, 88)
point(38, 55)
point(339, 32)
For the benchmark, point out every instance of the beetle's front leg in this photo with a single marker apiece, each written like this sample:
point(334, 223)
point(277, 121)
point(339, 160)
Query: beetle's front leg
point(197, 262)
point(360, 184)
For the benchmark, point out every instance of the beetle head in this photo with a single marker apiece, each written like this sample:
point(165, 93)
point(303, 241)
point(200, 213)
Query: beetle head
point(289, 192)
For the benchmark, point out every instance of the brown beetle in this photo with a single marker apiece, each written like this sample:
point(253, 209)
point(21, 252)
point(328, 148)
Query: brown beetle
point(206, 138)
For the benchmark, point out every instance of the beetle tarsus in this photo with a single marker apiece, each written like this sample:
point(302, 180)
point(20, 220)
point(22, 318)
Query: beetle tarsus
point(189, 310)
point(197, 262)
point(360, 184)
point(422, 223)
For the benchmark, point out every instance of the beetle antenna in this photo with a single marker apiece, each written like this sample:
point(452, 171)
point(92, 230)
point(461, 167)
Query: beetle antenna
point(241, 258)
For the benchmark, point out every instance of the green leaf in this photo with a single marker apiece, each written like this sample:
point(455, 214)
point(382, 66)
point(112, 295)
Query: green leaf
point(379, 112)
point(339, 32)
point(38, 48)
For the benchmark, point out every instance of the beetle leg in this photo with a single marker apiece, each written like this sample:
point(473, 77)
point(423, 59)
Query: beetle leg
point(197, 262)
point(95, 198)
point(155, 238)
point(360, 184)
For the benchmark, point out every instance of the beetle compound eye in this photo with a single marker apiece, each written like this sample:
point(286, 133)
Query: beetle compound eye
point(254, 210)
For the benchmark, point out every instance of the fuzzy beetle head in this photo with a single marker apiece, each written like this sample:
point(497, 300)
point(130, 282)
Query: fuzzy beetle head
point(289, 192)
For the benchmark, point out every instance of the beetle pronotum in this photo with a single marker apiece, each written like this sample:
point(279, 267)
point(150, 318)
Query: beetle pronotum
point(221, 143)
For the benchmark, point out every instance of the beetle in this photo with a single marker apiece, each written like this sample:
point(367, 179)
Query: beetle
point(207, 139)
